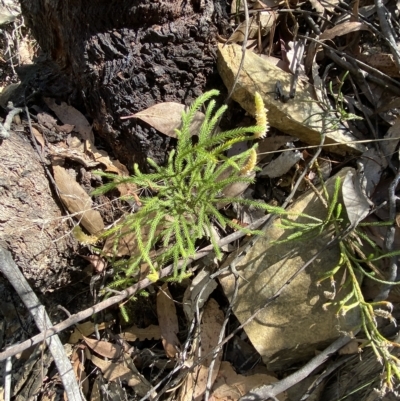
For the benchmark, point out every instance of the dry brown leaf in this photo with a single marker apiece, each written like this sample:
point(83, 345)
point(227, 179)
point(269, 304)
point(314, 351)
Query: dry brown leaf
point(265, 23)
point(236, 189)
point(86, 329)
point(301, 117)
point(168, 321)
point(75, 154)
point(271, 144)
point(69, 115)
point(231, 386)
point(382, 62)
point(321, 5)
point(166, 117)
point(78, 364)
point(196, 381)
point(98, 263)
point(392, 136)
point(283, 65)
point(104, 348)
point(39, 137)
point(282, 164)
point(77, 201)
point(343, 29)
point(355, 200)
point(101, 156)
point(120, 372)
point(112, 166)
point(350, 348)
point(134, 333)
point(200, 284)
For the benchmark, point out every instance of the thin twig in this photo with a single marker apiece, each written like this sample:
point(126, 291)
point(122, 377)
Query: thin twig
point(37, 310)
point(7, 379)
point(271, 391)
point(221, 338)
point(246, 35)
point(373, 74)
point(389, 240)
point(387, 32)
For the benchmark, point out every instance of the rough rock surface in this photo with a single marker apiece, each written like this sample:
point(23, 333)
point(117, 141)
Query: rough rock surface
point(293, 326)
point(301, 117)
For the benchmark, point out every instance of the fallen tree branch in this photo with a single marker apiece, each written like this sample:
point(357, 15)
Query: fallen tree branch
point(37, 310)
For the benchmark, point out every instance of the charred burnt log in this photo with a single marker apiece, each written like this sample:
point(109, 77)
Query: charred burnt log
point(123, 56)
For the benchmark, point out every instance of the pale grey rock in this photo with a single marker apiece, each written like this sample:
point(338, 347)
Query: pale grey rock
point(301, 117)
point(295, 325)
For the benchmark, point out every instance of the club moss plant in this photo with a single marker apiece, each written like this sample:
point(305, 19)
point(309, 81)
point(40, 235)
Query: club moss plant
point(186, 192)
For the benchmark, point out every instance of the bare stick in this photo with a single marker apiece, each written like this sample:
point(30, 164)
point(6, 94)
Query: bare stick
point(387, 31)
point(272, 390)
point(389, 240)
point(5, 128)
point(246, 35)
point(373, 74)
point(7, 379)
point(32, 303)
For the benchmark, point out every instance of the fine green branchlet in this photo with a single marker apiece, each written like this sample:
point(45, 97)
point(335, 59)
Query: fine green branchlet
point(357, 264)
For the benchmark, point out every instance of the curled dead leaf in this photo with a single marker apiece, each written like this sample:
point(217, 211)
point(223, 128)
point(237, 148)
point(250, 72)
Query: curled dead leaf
point(343, 29)
point(121, 372)
point(167, 117)
point(168, 321)
point(104, 348)
point(77, 201)
point(86, 329)
point(69, 115)
point(134, 333)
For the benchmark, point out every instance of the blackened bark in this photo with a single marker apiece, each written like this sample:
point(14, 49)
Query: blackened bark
point(123, 56)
